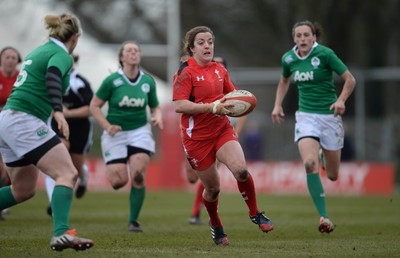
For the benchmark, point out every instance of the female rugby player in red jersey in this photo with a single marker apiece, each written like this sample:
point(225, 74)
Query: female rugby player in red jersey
point(207, 135)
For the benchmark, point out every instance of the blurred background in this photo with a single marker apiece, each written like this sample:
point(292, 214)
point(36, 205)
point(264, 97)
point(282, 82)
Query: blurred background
point(252, 36)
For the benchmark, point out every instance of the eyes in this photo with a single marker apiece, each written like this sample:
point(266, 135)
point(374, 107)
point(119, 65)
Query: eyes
point(132, 49)
point(203, 42)
point(10, 57)
point(305, 35)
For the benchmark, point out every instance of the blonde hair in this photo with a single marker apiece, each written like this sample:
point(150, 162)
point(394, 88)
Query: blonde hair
point(62, 27)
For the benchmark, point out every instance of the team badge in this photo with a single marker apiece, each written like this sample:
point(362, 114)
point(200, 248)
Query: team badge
point(145, 87)
point(288, 59)
point(315, 62)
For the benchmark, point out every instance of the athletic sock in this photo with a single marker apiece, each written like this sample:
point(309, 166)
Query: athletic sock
point(84, 178)
point(248, 192)
point(317, 193)
point(50, 184)
point(6, 198)
point(61, 205)
point(212, 209)
point(198, 200)
point(136, 199)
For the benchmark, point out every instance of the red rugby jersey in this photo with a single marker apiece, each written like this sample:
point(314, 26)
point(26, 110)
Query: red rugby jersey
point(201, 84)
point(6, 85)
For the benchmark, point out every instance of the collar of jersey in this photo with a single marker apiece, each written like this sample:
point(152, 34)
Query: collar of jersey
point(309, 53)
point(59, 43)
point(192, 61)
point(121, 72)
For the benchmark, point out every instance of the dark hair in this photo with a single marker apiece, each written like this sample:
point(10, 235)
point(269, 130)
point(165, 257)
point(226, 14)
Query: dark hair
point(315, 27)
point(13, 49)
point(75, 58)
point(189, 38)
point(121, 49)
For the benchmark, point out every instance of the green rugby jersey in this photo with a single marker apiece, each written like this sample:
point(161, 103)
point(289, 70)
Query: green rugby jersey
point(29, 93)
point(313, 75)
point(128, 101)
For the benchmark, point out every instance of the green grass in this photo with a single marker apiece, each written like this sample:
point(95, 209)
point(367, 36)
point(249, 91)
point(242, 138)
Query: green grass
point(365, 227)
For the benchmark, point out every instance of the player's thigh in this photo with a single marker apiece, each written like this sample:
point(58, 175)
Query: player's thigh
point(231, 154)
point(57, 164)
point(190, 173)
point(332, 163)
point(78, 160)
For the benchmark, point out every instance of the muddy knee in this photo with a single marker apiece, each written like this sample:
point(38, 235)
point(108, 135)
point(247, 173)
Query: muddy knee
point(138, 178)
point(215, 194)
point(310, 166)
point(243, 175)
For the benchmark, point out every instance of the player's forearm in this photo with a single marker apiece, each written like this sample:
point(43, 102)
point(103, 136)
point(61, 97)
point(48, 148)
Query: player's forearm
point(348, 87)
point(80, 112)
point(190, 108)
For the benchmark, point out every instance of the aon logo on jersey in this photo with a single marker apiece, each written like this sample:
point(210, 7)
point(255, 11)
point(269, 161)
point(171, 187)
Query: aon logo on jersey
point(131, 102)
point(304, 76)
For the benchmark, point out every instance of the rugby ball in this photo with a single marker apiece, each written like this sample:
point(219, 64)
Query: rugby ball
point(243, 102)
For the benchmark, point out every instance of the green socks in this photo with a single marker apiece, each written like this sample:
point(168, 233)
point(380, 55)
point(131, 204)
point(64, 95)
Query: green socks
point(136, 199)
point(317, 193)
point(6, 198)
point(61, 204)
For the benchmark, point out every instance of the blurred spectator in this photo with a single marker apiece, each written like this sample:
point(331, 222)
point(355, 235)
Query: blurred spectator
point(253, 142)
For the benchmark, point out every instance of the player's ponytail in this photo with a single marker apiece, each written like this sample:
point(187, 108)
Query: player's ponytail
point(62, 27)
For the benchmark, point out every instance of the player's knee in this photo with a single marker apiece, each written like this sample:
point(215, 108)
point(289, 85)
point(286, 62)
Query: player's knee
point(310, 166)
point(117, 185)
point(138, 178)
point(243, 175)
point(69, 177)
point(332, 177)
point(213, 192)
point(192, 180)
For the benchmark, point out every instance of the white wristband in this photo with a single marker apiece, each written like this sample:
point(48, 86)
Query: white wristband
point(214, 110)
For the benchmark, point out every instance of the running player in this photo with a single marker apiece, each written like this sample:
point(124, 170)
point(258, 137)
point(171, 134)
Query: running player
point(127, 141)
point(318, 120)
point(207, 135)
point(27, 143)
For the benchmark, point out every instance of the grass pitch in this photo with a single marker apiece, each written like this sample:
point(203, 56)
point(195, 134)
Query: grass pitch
point(365, 227)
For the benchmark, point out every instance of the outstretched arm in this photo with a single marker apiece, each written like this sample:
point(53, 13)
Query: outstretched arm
point(277, 113)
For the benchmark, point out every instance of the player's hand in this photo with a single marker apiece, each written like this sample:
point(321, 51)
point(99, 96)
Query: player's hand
point(338, 107)
point(278, 115)
point(113, 129)
point(62, 124)
point(156, 120)
point(221, 108)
